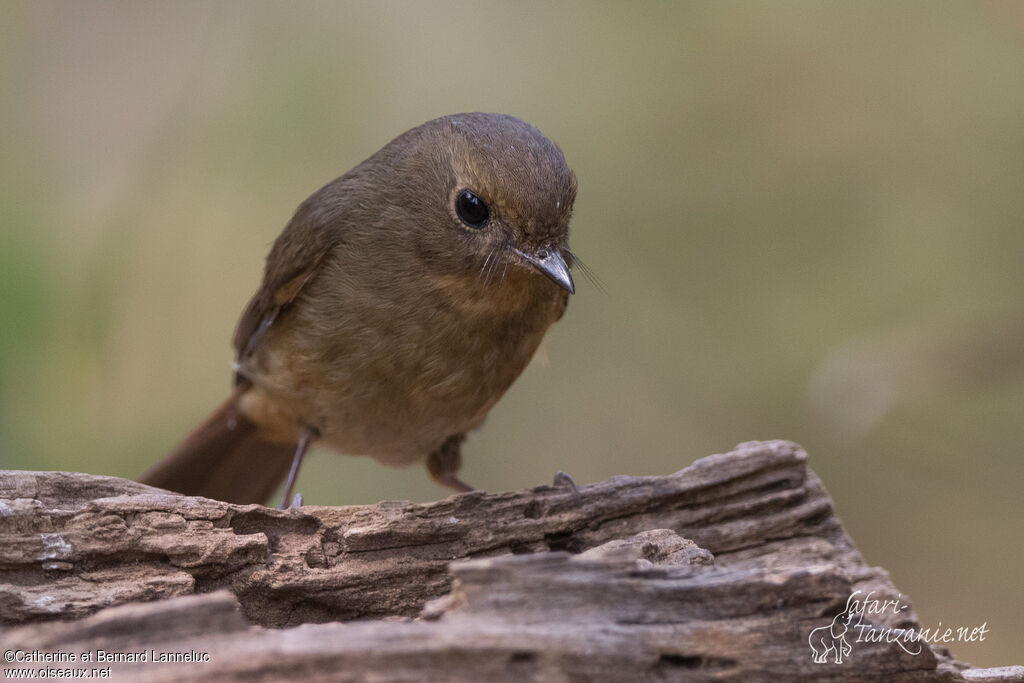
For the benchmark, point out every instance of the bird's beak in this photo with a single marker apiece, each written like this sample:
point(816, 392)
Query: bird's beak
point(551, 263)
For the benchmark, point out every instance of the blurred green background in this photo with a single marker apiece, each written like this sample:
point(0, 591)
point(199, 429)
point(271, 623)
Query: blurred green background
point(807, 216)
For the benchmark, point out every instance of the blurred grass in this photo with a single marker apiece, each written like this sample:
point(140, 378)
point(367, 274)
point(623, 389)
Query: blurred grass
point(807, 216)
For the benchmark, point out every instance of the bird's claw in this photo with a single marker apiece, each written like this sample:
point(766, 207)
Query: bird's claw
point(296, 503)
point(564, 481)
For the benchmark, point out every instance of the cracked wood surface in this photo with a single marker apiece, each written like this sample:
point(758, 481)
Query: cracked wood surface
point(719, 572)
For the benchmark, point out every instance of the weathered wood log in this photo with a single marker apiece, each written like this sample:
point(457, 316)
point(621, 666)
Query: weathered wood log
point(720, 571)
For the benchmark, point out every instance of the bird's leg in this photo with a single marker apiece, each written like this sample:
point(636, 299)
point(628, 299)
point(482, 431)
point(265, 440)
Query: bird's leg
point(306, 439)
point(444, 463)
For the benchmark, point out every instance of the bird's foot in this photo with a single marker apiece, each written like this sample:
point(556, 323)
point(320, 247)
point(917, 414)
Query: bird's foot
point(296, 502)
point(564, 481)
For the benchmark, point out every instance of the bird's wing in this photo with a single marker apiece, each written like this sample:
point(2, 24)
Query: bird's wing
point(293, 261)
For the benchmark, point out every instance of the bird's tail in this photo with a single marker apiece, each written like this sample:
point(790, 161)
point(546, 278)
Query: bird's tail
point(224, 458)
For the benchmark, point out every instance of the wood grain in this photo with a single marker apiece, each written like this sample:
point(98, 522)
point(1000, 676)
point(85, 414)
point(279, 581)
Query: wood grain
point(717, 572)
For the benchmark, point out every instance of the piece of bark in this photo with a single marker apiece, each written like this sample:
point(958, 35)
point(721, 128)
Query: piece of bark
point(719, 570)
point(547, 617)
point(758, 505)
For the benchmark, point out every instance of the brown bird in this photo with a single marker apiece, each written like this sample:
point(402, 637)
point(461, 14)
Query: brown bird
point(397, 306)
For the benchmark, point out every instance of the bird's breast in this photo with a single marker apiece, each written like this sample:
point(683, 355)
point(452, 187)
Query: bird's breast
point(392, 372)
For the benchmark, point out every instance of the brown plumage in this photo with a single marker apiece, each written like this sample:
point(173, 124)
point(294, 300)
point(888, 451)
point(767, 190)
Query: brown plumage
point(391, 318)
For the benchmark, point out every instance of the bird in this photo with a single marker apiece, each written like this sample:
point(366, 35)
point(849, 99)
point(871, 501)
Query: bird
point(397, 306)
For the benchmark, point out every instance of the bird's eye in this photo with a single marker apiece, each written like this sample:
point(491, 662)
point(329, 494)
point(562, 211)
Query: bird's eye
point(471, 209)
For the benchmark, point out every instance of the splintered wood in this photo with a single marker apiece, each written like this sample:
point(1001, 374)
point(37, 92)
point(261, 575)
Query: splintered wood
point(721, 571)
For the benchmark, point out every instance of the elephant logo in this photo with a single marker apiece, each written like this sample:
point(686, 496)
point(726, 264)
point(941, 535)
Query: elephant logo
point(831, 639)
